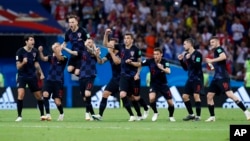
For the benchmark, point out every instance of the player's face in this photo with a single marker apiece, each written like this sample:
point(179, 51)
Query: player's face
point(214, 43)
point(73, 23)
point(128, 40)
point(186, 45)
point(157, 56)
point(89, 43)
point(30, 43)
point(56, 46)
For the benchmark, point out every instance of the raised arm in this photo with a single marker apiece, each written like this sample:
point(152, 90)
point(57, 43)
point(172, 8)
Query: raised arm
point(42, 57)
point(105, 37)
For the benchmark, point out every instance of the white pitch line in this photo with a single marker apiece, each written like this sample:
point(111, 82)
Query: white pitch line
point(111, 127)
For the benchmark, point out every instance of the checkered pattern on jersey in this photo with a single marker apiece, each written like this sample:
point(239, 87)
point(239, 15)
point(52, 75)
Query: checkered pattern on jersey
point(77, 38)
point(28, 70)
point(116, 69)
point(156, 74)
point(133, 54)
point(194, 66)
point(88, 65)
point(220, 67)
point(56, 69)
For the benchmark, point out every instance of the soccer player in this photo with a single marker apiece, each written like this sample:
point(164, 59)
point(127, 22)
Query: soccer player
point(113, 86)
point(158, 67)
point(89, 58)
point(55, 79)
point(221, 80)
point(76, 36)
point(191, 61)
point(27, 68)
point(129, 83)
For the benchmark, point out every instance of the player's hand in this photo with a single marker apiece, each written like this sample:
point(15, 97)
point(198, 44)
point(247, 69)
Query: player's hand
point(180, 57)
point(108, 31)
point(208, 60)
point(40, 48)
point(136, 77)
point(25, 60)
point(128, 61)
point(188, 56)
point(160, 66)
point(42, 76)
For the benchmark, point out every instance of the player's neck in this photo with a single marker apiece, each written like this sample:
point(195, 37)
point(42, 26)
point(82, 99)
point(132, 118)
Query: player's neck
point(191, 50)
point(75, 29)
point(27, 48)
point(128, 46)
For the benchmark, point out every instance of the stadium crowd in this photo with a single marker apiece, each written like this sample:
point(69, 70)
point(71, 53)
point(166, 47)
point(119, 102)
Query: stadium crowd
point(165, 24)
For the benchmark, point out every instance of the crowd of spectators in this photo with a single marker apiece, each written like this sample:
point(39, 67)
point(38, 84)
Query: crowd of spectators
point(165, 24)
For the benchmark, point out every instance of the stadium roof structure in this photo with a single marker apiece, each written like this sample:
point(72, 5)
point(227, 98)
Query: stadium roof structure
point(19, 17)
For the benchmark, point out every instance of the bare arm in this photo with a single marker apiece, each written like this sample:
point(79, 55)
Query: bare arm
point(105, 37)
point(221, 57)
point(70, 51)
point(115, 58)
point(42, 57)
point(39, 70)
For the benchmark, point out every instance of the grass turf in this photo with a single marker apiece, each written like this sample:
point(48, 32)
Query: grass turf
point(115, 126)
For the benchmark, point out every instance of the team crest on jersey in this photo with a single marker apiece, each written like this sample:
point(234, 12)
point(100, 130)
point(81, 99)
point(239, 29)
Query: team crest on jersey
point(132, 53)
point(34, 54)
point(79, 34)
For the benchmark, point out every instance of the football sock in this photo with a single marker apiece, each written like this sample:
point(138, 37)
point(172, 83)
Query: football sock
point(60, 109)
point(103, 105)
point(143, 104)
point(198, 108)
point(46, 105)
point(189, 107)
point(19, 107)
point(153, 106)
point(241, 105)
point(211, 110)
point(89, 105)
point(127, 106)
point(40, 106)
point(171, 110)
point(137, 108)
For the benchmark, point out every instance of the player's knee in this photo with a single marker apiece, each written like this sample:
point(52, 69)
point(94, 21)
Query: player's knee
point(106, 94)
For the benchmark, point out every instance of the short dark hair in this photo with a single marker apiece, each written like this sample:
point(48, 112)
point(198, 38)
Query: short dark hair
point(158, 49)
point(26, 37)
point(191, 41)
point(73, 16)
point(214, 37)
point(129, 34)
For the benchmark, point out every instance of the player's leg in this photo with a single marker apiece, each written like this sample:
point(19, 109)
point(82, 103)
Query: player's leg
point(239, 103)
point(187, 102)
point(152, 101)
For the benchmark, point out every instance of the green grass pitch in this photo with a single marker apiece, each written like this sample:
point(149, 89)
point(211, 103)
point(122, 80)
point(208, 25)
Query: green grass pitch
point(115, 127)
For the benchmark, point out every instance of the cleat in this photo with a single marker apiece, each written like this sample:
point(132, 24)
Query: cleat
point(172, 119)
point(97, 117)
point(61, 117)
point(19, 119)
point(43, 118)
point(139, 118)
point(210, 119)
point(247, 113)
point(132, 118)
point(197, 118)
point(155, 116)
point(88, 117)
point(189, 117)
point(48, 117)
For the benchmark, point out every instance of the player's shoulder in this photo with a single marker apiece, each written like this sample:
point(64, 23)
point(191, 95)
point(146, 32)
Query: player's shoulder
point(20, 50)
